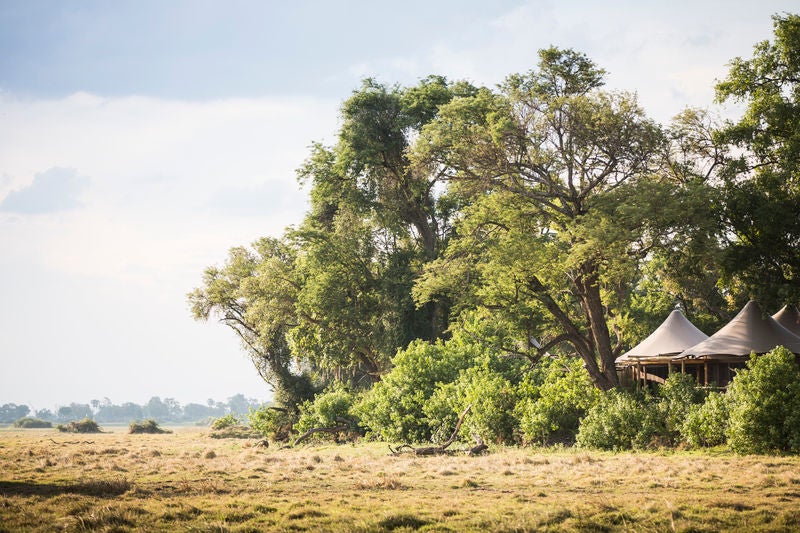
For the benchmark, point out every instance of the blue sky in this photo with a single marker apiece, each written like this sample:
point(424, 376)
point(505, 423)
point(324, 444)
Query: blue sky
point(141, 140)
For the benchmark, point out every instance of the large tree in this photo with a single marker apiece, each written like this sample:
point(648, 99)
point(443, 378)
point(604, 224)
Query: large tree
point(762, 182)
point(570, 194)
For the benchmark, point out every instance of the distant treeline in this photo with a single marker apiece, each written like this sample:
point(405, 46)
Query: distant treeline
point(166, 410)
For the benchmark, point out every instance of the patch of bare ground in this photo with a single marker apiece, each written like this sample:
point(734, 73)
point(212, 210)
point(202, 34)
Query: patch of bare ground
point(188, 481)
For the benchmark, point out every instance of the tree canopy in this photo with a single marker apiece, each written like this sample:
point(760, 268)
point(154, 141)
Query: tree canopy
point(450, 225)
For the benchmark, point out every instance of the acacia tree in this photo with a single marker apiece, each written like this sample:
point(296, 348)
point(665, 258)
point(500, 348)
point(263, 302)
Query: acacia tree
point(762, 184)
point(569, 195)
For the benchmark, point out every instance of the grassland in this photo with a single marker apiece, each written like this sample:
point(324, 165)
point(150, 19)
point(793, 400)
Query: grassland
point(188, 481)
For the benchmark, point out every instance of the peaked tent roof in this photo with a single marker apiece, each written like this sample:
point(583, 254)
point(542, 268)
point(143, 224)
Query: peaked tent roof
point(749, 331)
point(673, 336)
point(789, 317)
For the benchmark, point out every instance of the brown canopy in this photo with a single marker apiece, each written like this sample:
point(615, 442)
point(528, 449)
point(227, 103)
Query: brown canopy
point(789, 317)
point(749, 331)
point(673, 336)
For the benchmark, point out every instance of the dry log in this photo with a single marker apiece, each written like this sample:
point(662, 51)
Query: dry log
point(312, 431)
point(434, 450)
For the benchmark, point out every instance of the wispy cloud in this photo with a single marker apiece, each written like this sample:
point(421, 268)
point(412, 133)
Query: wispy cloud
point(57, 189)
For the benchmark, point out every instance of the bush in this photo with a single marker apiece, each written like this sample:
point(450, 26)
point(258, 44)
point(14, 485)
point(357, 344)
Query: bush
point(329, 409)
point(706, 423)
point(556, 397)
point(393, 408)
point(620, 421)
point(28, 423)
point(146, 426)
point(274, 423)
point(765, 405)
point(678, 396)
point(223, 422)
point(492, 414)
point(87, 425)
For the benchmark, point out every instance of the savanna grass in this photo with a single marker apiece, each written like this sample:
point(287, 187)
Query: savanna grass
point(188, 481)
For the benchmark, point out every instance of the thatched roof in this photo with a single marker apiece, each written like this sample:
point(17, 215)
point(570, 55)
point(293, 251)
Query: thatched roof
point(749, 331)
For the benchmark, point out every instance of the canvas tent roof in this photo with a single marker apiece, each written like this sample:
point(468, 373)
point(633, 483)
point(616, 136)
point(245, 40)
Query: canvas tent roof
point(749, 331)
point(673, 336)
point(789, 317)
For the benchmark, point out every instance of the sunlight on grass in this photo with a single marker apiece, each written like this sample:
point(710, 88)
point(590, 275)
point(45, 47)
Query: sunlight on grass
point(189, 481)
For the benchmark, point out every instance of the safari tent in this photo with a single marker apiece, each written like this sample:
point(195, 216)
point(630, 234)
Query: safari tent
point(650, 359)
point(789, 317)
point(715, 359)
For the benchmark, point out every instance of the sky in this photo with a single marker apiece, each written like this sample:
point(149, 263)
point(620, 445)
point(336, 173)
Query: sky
point(140, 140)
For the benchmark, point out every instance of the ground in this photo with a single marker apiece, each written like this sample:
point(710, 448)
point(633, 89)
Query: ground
point(51, 481)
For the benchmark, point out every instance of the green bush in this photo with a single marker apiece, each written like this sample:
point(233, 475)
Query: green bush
point(329, 409)
point(677, 397)
point(765, 405)
point(620, 421)
point(393, 408)
point(556, 396)
point(146, 426)
point(492, 413)
point(29, 423)
point(273, 423)
point(87, 425)
point(706, 423)
point(223, 422)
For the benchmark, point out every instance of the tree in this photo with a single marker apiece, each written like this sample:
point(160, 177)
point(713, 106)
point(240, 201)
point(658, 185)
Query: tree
point(762, 176)
point(255, 294)
point(569, 194)
point(10, 412)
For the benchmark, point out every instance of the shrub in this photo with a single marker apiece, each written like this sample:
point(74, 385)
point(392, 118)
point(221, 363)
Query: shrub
point(765, 405)
point(329, 409)
point(678, 395)
point(274, 423)
point(146, 426)
point(706, 423)
point(557, 396)
point(492, 414)
point(620, 421)
point(235, 432)
point(28, 422)
point(87, 425)
point(226, 421)
point(393, 408)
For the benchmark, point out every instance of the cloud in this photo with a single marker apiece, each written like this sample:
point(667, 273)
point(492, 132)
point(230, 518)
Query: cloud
point(57, 189)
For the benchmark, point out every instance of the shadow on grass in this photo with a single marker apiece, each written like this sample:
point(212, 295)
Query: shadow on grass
point(99, 488)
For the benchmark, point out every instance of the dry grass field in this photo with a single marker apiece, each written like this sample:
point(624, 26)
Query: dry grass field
point(187, 481)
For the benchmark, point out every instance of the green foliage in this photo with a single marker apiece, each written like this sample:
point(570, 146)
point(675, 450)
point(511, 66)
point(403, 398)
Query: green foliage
point(765, 405)
point(620, 421)
point(226, 421)
point(677, 397)
point(273, 423)
point(556, 396)
point(28, 422)
point(762, 175)
point(393, 408)
point(706, 423)
point(330, 408)
point(146, 426)
point(87, 425)
point(492, 413)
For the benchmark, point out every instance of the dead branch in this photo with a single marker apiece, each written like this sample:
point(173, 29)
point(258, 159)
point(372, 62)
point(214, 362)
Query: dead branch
point(312, 431)
point(434, 450)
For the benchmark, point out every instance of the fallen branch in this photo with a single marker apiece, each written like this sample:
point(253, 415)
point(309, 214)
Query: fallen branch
point(333, 430)
point(479, 447)
point(434, 450)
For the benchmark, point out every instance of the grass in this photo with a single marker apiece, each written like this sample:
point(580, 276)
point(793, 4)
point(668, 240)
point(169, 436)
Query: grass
point(189, 481)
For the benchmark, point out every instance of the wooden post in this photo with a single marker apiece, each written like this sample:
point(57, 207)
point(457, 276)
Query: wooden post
point(683, 366)
point(705, 373)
